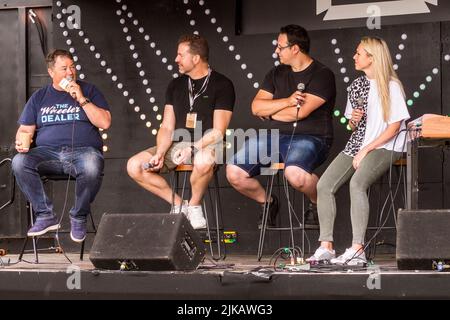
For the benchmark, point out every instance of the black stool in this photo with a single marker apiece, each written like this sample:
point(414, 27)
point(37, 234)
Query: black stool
point(214, 203)
point(275, 170)
point(45, 179)
point(12, 180)
point(380, 221)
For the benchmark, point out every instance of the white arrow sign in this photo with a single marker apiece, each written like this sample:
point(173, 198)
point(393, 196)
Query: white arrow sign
point(387, 8)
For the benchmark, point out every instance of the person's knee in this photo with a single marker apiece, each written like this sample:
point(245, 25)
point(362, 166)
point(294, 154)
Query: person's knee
point(323, 187)
point(235, 175)
point(18, 163)
point(92, 165)
point(203, 168)
point(134, 167)
point(296, 178)
point(357, 186)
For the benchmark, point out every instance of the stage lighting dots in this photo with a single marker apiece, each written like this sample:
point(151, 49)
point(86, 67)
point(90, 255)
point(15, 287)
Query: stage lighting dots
point(148, 90)
point(337, 51)
point(447, 57)
point(124, 7)
point(333, 42)
point(104, 136)
point(175, 75)
point(142, 73)
point(349, 128)
point(228, 132)
point(58, 3)
point(75, 58)
point(131, 101)
point(225, 39)
point(243, 66)
point(207, 12)
point(81, 76)
point(429, 78)
point(343, 120)
point(196, 32)
point(346, 79)
point(398, 56)
point(154, 132)
point(147, 37)
point(142, 116)
point(92, 48)
point(250, 75)
point(152, 100)
point(120, 85)
point(98, 55)
point(276, 63)
point(343, 70)
point(256, 85)
point(108, 70)
point(114, 78)
point(72, 50)
point(141, 30)
point(130, 15)
point(219, 29)
point(125, 93)
point(213, 20)
point(125, 29)
point(58, 16)
point(169, 67)
point(155, 108)
point(137, 109)
point(201, 2)
point(164, 60)
point(78, 67)
point(192, 22)
point(64, 10)
point(410, 102)
point(148, 124)
point(337, 113)
point(416, 94)
point(105, 148)
point(237, 57)
point(185, 1)
point(422, 87)
point(401, 46)
point(118, 12)
point(340, 60)
point(135, 55)
point(145, 82)
point(65, 33)
point(188, 12)
point(69, 42)
point(122, 21)
point(103, 63)
point(81, 33)
point(158, 117)
point(435, 71)
point(62, 24)
point(404, 36)
point(158, 52)
point(135, 22)
point(395, 66)
point(152, 44)
point(231, 48)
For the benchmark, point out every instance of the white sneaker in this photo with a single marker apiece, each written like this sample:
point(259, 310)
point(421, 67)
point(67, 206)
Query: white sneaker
point(183, 208)
point(351, 257)
point(195, 216)
point(322, 254)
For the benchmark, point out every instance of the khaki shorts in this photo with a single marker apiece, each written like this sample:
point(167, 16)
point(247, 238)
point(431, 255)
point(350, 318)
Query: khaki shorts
point(169, 165)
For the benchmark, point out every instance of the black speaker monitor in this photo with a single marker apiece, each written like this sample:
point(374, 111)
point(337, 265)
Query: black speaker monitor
point(146, 241)
point(422, 237)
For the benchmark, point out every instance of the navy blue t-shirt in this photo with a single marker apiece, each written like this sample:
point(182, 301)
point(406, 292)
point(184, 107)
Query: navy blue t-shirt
point(56, 114)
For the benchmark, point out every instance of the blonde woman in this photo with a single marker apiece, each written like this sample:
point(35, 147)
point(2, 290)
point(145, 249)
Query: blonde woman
point(377, 111)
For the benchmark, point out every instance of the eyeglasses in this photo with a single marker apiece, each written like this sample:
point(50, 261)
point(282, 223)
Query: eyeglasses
point(282, 48)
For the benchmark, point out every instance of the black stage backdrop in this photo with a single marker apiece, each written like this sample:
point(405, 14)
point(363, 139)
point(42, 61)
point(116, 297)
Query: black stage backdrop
point(127, 49)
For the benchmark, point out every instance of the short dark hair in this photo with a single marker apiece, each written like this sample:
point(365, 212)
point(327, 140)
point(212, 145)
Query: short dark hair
point(297, 35)
point(197, 45)
point(52, 55)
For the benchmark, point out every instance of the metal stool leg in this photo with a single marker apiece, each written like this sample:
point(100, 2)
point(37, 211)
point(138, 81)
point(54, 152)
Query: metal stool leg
point(266, 208)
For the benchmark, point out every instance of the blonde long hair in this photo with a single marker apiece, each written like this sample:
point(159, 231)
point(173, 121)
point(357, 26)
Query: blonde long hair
point(383, 70)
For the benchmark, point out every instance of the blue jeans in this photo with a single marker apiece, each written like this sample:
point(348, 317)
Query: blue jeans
point(301, 150)
point(85, 164)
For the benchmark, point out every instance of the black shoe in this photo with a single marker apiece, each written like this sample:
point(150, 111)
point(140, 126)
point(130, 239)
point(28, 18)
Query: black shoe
point(311, 216)
point(272, 215)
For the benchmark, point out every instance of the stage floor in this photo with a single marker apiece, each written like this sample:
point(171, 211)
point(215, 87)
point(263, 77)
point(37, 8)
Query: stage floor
point(236, 277)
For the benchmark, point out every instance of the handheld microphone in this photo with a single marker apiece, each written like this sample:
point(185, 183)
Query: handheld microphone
point(300, 87)
point(65, 82)
point(360, 102)
point(147, 165)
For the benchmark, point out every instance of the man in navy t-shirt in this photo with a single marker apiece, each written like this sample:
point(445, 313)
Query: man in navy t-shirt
point(64, 117)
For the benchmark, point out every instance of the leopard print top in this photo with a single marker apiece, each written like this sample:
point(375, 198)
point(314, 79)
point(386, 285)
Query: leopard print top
point(358, 89)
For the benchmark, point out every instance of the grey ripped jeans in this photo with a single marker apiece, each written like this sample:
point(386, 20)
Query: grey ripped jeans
point(372, 167)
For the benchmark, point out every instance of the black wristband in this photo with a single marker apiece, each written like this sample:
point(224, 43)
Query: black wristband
point(194, 150)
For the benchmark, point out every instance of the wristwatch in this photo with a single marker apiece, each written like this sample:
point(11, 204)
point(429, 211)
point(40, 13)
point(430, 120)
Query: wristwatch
point(85, 102)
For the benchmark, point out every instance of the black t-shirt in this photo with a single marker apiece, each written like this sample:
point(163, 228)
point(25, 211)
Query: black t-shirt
point(219, 94)
point(282, 82)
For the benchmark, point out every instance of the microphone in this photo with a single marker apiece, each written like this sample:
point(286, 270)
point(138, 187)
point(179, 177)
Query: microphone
point(147, 165)
point(360, 102)
point(65, 82)
point(300, 87)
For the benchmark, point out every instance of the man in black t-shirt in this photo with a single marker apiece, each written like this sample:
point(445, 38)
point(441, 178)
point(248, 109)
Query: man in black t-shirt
point(297, 98)
point(198, 109)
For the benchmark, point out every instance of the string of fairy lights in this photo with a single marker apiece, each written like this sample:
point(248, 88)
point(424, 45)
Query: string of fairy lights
point(128, 22)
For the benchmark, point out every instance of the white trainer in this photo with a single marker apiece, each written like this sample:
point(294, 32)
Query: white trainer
point(322, 254)
point(351, 257)
point(183, 208)
point(195, 216)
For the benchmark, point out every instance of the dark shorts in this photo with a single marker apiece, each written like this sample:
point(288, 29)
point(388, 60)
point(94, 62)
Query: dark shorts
point(304, 151)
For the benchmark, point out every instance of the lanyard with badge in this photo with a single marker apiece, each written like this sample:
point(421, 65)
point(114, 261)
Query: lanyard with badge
point(191, 117)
